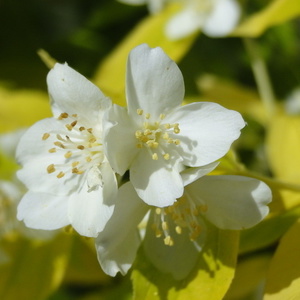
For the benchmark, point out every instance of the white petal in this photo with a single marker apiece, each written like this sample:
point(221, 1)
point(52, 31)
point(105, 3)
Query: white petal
point(43, 211)
point(178, 259)
point(190, 175)
point(207, 131)
point(233, 202)
point(154, 82)
point(118, 243)
point(91, 208)
point(119, 139)
point(157, 182)
point(223, 18)
point(185, 23)
point(72, 93)
point(33, 153)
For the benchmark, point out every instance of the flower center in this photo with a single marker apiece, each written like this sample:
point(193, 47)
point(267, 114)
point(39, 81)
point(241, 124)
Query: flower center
point(80, 148)
point(156, 136)
point(182, 215)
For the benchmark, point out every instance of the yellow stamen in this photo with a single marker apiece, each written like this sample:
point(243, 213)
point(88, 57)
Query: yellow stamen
point(51, 168)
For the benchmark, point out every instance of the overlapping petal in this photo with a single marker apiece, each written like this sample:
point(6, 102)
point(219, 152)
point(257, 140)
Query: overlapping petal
point(118, 243)
point(233, 202)
point(72, 93)
point(43, 211)
point(207, 131)
point(154, 82)
point(157, 182)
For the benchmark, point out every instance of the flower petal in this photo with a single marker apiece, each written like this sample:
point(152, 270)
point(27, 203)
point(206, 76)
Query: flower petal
point(178, 259)
point(72, 93)
point(91, 207)
point(118, 243)
point(185, 23)
point(207, 131)
point(190, 175)
point(119, 130)
point(33, 153)
point(233, 202)
point(43, 211)
point(154, 82)
point(157, 182)
point(223, 18)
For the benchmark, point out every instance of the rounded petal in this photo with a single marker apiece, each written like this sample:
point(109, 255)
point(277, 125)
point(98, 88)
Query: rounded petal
point(118, 243)
point(185, 23)
point(154, 82)
point(157, 182)
point(43, 211)
point(119, 139)
point(233, 202)
point(190, 175)
point(72, 93)
point(33, 154)
point(91, 207)
point(207, 131)
point(178, 259)
point(223, 18)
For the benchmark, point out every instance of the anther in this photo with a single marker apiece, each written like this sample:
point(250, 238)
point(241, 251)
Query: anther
point(81, 128)
point(74, 115)
point(154, 156)
point(139, 111)
point(162, 116)
point(63, 116)
point(158, 210)
point(52, 150)
point(75, 163)
point(165, 226)
point(60, 175)
point(167, 156)
point(68, 154)
point(73, 124)
point(69, 127)
point(178, 229)
point(90, 130)
point(147, 116)
point(168, 241)
point(51, 168)
point(59, 144)
point(45, 136)
point(80, 147)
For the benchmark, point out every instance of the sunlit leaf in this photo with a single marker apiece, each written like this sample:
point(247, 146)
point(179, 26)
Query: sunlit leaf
point(277, 12)
point(267, 232)
point(35, 269)
point(249, 276)
point(21, 108)
point(110, 76)
point(232, 96)
point(210, 278)
point(283, 278)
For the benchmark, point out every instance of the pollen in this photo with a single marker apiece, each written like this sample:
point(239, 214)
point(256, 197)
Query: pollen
point(45, 136)
point(168, 241)
point(52, 150)
point(60, 175)
point(139, 111)
point(63, 116)
point(51, 168)
point(154, 156)
point(68, 154)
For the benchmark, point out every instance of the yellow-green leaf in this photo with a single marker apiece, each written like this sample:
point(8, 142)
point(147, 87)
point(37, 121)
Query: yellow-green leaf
point(249, 276)
point(268, 231)
point(277, 12)
point(110, 76)
point(35, 268)
point(283, 278)
point(21, 108)
point(210, 279)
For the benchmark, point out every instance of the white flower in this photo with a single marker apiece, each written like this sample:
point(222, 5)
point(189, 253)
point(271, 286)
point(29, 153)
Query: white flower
point(216, 18)
point(156, 138)
point(175, 234)
point(64, 167)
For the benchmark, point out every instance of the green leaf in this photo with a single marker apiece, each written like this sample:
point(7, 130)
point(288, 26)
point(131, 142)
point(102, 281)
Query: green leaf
point(36, 268)
point(110, 76)
point(268, 231)
point(210, 278)
point(277, 12)
point(283, 278)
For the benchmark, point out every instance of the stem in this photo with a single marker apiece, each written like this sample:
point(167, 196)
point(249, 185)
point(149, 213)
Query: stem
point(261, 76)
